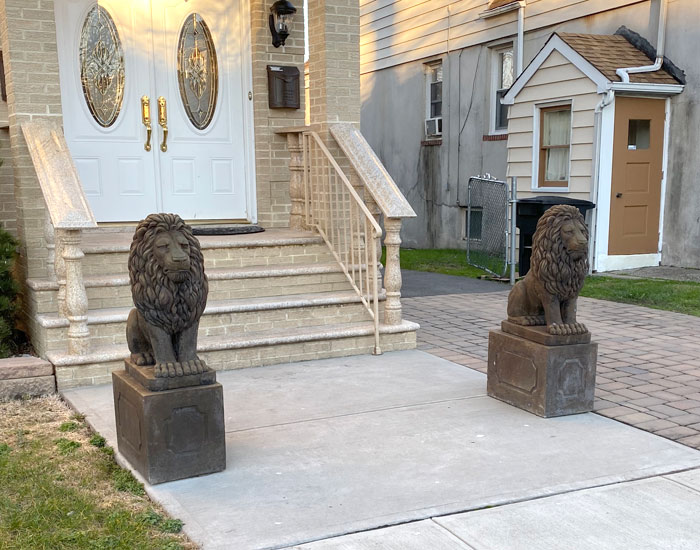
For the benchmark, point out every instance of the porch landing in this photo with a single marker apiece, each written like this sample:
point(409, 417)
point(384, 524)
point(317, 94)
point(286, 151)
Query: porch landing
point(327, 448)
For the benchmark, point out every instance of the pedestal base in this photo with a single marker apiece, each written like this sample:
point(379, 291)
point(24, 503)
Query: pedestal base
point(172, 434)
point(545, 380)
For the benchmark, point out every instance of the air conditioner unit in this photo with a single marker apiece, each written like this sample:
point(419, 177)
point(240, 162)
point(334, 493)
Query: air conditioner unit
point(433, 127)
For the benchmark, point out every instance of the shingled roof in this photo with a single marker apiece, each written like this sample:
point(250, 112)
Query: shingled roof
point(610, 52)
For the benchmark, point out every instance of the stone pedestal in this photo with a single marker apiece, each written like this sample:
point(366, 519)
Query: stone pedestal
point(171, 434)
point(543, 374)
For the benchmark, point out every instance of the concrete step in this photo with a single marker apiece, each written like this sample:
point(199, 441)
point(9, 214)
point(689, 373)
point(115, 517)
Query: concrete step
point(107, 253)
point(265, 347)
point(106, 291)
point(224, 318)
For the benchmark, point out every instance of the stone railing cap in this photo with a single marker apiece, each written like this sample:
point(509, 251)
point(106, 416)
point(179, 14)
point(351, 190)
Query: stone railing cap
point(372, 172)
point(58, 178)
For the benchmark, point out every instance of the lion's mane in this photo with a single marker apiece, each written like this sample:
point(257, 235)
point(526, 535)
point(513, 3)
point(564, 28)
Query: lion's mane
point(163, 303)
point(560, 275)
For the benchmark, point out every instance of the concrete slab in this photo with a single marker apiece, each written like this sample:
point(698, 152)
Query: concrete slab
point(691, 479)
point(652, 514)
point(421, 535)
point(331, 447)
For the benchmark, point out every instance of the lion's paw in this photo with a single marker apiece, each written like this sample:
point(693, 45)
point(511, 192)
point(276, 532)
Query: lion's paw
point(567, 329)
point(142, 359)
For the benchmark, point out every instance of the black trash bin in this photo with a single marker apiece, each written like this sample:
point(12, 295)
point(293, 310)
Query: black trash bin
point(528, 212)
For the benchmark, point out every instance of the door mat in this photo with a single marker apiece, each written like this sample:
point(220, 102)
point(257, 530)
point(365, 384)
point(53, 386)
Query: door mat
point(226, 229)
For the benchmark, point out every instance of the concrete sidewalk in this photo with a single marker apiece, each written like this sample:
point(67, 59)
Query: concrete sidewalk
point(322, 455)
point(648, 360)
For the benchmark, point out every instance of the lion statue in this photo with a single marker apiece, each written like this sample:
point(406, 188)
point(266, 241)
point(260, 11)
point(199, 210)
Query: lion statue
point(547, 294)
point(169, 288)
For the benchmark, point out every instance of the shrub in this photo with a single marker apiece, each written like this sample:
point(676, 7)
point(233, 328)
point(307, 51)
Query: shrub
point(8, 294)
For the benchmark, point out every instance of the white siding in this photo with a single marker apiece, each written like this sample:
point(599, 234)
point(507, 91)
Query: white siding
point(399, 31)
point(556, 80)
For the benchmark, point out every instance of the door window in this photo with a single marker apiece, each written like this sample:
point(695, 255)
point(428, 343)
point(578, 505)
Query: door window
point(101, 66)
point(197, 71)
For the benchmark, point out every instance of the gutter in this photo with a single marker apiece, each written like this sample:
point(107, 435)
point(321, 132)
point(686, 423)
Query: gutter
point(624, 74)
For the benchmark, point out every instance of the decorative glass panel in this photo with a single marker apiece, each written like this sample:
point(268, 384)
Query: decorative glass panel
point(197, 71)
point(102, 66)
point(507, 69)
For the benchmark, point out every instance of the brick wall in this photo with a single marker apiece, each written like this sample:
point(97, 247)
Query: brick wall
point(271, 155)
point(8, 208)
point(28, 41)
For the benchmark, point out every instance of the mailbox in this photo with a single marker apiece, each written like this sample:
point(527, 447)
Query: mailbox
point(283, 87)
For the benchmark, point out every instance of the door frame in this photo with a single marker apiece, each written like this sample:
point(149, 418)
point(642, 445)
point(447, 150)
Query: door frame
point(247, 108)
point(602, 261)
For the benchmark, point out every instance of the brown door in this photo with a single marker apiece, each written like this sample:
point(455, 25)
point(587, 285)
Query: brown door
point(636, 175)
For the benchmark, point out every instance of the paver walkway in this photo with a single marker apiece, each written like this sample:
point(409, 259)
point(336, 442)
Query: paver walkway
point(648, 360)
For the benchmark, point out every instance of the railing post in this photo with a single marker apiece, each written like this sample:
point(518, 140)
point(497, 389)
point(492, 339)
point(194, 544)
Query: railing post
point(295, 145)
point(76, 302)
point(392, 271)
point(50, 239)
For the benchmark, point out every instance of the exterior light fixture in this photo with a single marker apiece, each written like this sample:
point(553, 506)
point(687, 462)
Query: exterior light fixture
point(281, 15)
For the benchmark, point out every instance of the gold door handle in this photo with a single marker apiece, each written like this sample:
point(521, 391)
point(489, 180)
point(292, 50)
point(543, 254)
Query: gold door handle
point(146, 120)
point(163, 121)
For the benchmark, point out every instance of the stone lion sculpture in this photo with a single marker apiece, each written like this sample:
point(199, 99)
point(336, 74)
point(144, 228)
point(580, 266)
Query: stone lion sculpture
point(169, 288)
point(547, 294)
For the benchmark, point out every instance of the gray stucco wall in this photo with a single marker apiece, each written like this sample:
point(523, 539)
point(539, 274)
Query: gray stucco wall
point(393, 113)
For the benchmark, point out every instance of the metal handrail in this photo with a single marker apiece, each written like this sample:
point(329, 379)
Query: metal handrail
point(333, 207)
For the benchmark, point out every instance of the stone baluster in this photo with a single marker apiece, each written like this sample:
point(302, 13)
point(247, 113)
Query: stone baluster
point(392, 271)
point(60, 271)
point(50, 239)
point(76, 301)
point(295, 144)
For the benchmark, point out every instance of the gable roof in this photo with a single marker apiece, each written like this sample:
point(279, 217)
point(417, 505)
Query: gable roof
point(607, 53)
point(598, 57)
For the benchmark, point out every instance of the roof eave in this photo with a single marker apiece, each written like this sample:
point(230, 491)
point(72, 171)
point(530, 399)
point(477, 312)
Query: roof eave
point(646, 88)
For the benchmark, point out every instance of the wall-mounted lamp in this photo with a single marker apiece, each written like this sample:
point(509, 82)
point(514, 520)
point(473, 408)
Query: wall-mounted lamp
point(281, 15)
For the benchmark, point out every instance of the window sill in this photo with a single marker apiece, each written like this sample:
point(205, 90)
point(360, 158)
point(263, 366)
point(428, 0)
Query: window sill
point(495, 137)
point(428, 142)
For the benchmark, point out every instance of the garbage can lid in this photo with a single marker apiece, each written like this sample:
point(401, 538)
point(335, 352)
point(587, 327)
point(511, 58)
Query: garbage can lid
point(554, 199)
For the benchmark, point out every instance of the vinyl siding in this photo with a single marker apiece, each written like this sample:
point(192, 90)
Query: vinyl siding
point(547, 86)
point(399, 31)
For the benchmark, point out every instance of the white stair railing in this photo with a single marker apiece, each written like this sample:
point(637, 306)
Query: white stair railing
point(338, 213)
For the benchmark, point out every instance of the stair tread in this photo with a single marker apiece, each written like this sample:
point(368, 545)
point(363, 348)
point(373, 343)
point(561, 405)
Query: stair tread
point(264, 303)
point(213, 274)
point(247, 340)
point(97, 242)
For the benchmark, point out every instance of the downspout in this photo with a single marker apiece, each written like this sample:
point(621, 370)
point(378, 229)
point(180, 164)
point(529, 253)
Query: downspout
point(521, 33)
point(608, 98)
point(624, 74)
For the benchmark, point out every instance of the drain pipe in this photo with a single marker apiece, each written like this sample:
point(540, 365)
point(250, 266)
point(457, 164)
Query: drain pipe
point(624, 74)
point(608, 98)
point(521, 33)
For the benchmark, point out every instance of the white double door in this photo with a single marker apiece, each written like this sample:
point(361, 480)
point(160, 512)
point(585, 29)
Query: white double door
point(110, 59)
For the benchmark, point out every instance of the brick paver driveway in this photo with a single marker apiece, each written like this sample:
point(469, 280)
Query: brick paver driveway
point(648, 360)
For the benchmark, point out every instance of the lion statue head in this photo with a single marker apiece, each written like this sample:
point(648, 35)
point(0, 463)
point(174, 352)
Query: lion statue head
point(560, 251)
point(166, 269)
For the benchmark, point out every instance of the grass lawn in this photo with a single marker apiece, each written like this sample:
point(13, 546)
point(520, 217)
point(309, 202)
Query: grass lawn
point(682, 297)
point(448, 261)
point(679, 296)
point(61, 489)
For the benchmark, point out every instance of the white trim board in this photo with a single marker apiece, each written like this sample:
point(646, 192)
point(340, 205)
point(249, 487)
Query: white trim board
point(629, 261)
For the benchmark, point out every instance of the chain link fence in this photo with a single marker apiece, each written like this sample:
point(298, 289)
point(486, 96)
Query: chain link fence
point(487, 227)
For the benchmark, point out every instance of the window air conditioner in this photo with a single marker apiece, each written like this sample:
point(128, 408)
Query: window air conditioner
point(433, 127)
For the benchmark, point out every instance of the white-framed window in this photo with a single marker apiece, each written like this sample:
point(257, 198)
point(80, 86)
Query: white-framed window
point(552, 147)
point(502, 78)
point(433, 99)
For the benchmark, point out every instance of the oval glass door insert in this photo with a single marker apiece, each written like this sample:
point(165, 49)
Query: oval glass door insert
point(197, 71)
point(101, 66)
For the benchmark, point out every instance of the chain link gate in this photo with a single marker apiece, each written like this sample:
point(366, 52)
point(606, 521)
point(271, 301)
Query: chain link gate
point(487, 224)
